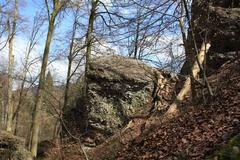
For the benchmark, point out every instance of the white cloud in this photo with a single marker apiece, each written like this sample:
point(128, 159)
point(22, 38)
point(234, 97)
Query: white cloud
point(58, 67)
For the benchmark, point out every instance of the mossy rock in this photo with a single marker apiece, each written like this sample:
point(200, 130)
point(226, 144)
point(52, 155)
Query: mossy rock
point(120, 88)
point(12, 147)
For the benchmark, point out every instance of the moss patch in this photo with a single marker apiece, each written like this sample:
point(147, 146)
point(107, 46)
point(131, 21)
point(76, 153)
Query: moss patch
point(230, 151)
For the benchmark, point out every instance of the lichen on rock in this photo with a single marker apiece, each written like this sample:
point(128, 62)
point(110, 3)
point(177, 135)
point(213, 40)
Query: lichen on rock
point(218, 21)
point(12, 147)
point(118, 89)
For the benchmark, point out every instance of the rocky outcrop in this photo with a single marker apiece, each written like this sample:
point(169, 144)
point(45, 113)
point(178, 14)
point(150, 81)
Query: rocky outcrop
point(221, 20)
point(12, 147)
point(121, 88)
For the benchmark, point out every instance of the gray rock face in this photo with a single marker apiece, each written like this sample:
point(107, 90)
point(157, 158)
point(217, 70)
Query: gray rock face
point(12, 147)
point(120, 88)
point(221, 20)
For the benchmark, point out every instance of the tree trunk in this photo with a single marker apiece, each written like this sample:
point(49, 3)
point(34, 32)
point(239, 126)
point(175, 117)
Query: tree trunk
point(136, 40)
point(21, 94)
point(37, 109)
point(32, 42)
point(58, 126)
point(11, 32)
point(187, 85)
point(70, 59)
point(57, 6)
point(88, 42)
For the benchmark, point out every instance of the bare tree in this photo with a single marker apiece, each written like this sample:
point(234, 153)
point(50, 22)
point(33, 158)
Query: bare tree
point(11, 34)
point(196, 66)
point(74, 49)
point(52, 15)
point(89, 40)
point(187, 84)
point(37, 24)
point(4, 15)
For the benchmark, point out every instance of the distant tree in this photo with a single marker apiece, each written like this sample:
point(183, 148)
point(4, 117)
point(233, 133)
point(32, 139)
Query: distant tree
point(49, 81)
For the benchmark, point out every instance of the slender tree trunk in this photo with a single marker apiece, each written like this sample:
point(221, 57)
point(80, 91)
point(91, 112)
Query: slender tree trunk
point(55, 131)
point(37, 109)
point(11, 32)
point(187, 85)
point(136, 40)
point(181, 24)
point(2, 120)
point(59, 126)
point(88, 42)
point(57, 6)
point(16, 124)
point(70, 59)
point(20, 102)
point(10, 82)
point(186, 48)
point(22, 94)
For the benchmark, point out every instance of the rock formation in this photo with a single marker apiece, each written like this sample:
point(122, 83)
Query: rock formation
point(12, 147)
point(220, 19)
point(121, 88)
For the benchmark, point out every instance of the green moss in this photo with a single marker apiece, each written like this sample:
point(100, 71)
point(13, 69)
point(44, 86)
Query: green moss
point(136, 102)
point(230, 151)
point(182, 156)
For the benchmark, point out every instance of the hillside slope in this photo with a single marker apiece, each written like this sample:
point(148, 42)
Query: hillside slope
point(198, 130)
point(196, 133)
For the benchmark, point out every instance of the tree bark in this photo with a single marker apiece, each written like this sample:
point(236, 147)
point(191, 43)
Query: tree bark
point(23, 93)
point(187, 85)
point(136, 40)
point(37, 108)
point(88, 42)
point(11, 32)
point(57, 5)
point(59, 126)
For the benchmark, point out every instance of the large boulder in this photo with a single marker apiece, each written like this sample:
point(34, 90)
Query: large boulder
point(12, 147)
point(121, 88)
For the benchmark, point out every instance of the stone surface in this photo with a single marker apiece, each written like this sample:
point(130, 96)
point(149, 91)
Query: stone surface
point(12, 147)
point(120, 88)
point(221, 20)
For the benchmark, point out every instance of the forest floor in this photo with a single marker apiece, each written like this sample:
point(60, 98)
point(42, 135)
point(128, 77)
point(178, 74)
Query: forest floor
point(195, 133)
point(198, 130)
